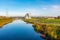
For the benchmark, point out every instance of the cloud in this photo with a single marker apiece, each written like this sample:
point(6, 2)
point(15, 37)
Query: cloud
point(55, 10)
point(55, 7)
point(51, 10)
point(45, 8)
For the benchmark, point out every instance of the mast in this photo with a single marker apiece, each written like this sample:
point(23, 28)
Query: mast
point(6, 13)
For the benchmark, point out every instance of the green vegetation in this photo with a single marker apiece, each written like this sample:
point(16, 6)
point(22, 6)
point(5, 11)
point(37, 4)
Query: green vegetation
point(5, 20)
point(50, 27)
point(49, 20)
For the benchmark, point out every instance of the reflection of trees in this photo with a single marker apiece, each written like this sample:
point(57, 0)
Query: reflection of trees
point(39, 31)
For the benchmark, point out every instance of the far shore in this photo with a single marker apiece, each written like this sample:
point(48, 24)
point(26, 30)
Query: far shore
point(5, 20)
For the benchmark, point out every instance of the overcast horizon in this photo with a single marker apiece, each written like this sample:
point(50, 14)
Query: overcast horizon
point(35, 7)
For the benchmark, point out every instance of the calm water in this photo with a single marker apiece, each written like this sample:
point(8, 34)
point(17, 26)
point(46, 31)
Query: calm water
point(18, 30)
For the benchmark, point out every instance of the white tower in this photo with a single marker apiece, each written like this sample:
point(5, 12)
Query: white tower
point(28, 16)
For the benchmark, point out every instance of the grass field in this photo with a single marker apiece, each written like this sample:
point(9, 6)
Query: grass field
point(4, 21)
point(49, 20)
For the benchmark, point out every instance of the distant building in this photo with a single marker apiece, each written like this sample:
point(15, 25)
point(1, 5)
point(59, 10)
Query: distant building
point(27, 16)
point(51, 18)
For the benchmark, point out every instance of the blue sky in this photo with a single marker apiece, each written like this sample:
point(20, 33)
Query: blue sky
point(35, 7)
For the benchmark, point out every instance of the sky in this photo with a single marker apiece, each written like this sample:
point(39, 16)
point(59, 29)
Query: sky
point(35, 7)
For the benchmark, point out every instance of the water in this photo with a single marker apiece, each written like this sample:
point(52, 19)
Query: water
point(18, 30)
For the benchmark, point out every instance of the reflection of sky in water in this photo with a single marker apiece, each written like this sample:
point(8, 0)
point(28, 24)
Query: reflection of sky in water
point(18, 30)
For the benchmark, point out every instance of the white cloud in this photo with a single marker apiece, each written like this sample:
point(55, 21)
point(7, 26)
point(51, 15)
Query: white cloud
point(56, 8)
point(52, 10)
point(45, 8)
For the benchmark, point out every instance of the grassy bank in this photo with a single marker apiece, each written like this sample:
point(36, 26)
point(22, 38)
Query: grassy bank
point(50, 28)
point(4, 21)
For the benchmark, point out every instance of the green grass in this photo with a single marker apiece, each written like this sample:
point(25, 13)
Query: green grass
point(49, 20)
point(5, 21)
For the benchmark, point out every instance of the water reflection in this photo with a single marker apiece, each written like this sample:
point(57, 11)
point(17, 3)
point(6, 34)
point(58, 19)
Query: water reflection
point(18, 30)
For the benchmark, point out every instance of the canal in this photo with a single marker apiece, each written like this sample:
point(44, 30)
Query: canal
point(19, 30)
